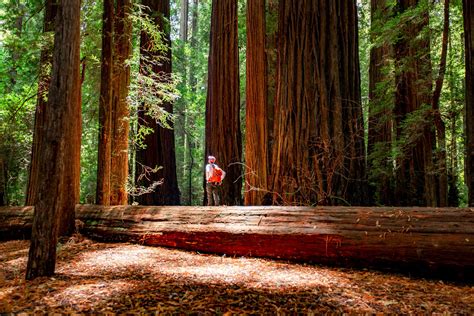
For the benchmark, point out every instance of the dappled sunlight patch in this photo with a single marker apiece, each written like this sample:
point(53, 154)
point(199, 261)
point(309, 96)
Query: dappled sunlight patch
point(252, 273)
point(87, 294)
point(113, 261)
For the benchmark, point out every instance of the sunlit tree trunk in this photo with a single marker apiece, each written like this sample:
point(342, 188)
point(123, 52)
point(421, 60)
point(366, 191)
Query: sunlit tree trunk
point(223, 136)
point(120, 108)
point(41, 101)
point(105, 106)
point(318, 151)
point(64, 95)
point(416, 183)
point(160, 147)
point(256, 155)
point(380, 114)
point(468, 13)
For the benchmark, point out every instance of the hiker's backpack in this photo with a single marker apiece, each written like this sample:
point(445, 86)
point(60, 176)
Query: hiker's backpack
point(216, 174)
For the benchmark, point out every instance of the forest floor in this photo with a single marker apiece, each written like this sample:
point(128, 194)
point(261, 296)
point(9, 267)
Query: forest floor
point(116, 278)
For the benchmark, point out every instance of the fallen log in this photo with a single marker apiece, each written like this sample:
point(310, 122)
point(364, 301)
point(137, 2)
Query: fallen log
point(428, 241)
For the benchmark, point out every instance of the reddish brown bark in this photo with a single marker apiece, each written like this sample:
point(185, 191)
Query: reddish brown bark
point(416, 184)
point(223, 136)
point(160, 147)
point(380, 114)
point(468, 13)
point(318, 150)
point(64, 94)
point(50, 10)
point(120, 108)
point(256, 154)
point(105, 106)
point(420, 239)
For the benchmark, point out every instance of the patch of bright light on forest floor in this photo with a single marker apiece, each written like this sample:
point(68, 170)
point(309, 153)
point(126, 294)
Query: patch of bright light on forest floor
point(126, 260)
point(89, 294)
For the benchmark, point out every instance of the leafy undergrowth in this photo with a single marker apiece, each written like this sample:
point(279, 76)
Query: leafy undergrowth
point(114, 278)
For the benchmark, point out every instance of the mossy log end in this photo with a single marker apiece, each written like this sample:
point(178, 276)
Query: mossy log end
point(428, 241)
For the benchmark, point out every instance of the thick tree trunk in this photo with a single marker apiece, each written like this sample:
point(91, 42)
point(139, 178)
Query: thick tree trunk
point(429, 240)
point(64, 94)
point(223, 136)
point(41, 102)
point(271, 56)
point(160, 147)
point(318, 151)
point(256, 154)
point(105, 106)
point(416, 184)
point(120, 109)
point(380, 114)
point(468, 13)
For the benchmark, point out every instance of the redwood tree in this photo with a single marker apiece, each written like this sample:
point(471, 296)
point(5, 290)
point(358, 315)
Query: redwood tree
point(318, 151)
point(72, 155)
point(256, 153)
point(223, 136)
point(416, 183)
point(105, 106)
point(46, 57)
point(120, 108)
point(468, 13)
point(63, 99)
point(380, 114)
point(160, 147)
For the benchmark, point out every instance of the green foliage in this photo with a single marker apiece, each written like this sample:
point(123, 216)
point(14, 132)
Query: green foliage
point(20, 42)
point(452, 95)
point(190, 61)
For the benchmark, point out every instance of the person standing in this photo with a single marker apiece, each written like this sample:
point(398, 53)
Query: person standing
point(214, 177)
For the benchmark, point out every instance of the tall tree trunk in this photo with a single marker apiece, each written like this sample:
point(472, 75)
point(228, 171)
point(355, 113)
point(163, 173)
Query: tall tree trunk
point(271, 54)
point(64, 94)
point(439, 123)
point(468, 13)
point(256, 155)
point(223, 136)
point(416, 183)
point(318, 151)
point(105, 106)
point(380, 114)
point(41, 101)
point(120, 109)
point(160, 147)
